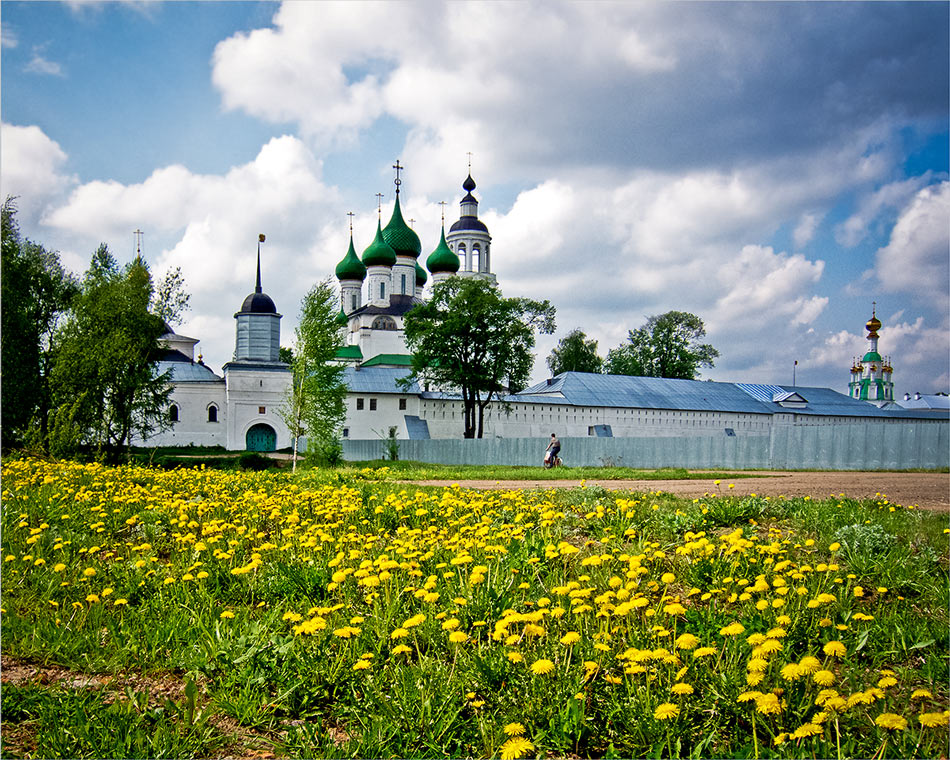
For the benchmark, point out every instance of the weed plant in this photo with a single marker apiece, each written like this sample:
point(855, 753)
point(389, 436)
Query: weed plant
point(335, 615)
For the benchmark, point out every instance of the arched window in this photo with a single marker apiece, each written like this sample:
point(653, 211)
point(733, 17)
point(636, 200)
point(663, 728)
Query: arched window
point(476, 258)
point(463, 258)
point(384, 323)
point(212, 413)
point(173, 413)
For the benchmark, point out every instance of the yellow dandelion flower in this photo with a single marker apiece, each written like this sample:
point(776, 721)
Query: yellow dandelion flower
point(682, 689)
point(835, 649)
point(398, 634)
point(791, 672)
point(933, 719)
point(667, 577)
point(514, 729)
point(541, 667)
point(569, 638)
point(809, 664)
point(704, 652)
point(666, 711)
point(515, 657)
point(886, 681)
point(824, 678)
point(921, 694)
point(457, 637)
point(891, 721)
point(733, 629)
point(686, 641)
point(401, 649)
point(806, 730)
point(768, 704)
point(226, 614)
point(515, 747)
point(748, 696)
point(361, 665)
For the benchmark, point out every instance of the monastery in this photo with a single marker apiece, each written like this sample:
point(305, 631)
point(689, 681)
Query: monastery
point(239, 408)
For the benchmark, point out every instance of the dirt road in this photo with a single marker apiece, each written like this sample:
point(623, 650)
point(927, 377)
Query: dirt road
point(924, 490)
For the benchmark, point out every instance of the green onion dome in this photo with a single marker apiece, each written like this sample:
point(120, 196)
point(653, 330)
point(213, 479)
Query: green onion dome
point(421, 276)
point(351, 268)
point(443, 259)
point(400, 236)
point(341, 318)
point(379, 252)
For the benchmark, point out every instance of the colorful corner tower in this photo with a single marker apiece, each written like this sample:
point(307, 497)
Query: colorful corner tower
point(871, 376)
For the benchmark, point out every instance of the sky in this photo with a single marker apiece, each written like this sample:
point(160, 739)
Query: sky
point(774, 168)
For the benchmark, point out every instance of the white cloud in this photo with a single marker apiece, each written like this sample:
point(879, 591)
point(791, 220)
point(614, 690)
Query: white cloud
point(40, 65)
point(917, 257)
point(32, 170)
point(890, 197)
point(805, 230)
point(8, 37)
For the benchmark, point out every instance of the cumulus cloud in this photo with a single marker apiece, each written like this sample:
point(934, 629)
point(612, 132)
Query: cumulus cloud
point(917, 257)
point(40, 65)
point(890, 197)
point(8, 37)
point(33, 170)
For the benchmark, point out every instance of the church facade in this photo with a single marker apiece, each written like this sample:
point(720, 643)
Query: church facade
point(240, 408)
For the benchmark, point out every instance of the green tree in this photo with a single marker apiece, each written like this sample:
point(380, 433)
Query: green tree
point(315, 400)
point(104, 374)
point(36, 293)
point(575, 353)
point(470, 338)
point(666, 346)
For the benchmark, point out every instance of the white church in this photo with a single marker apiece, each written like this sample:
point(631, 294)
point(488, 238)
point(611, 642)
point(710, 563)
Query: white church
point(239, 409)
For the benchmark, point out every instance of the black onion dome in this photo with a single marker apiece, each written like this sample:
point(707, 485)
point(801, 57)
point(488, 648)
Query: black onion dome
point(468, 223)
point(258, 303)
point(468, 184)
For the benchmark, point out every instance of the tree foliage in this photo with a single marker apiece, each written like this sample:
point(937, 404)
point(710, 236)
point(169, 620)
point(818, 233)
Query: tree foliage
point(104, 375)
point(315, 402)
point(469, 338)
point(36, 293)
point(575, 353)
point(666, 346)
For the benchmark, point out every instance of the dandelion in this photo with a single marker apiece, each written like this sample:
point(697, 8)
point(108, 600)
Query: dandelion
point(515, 657)
point(733, 629)
point(569, 638)
point(686, 641)
point(824, 678)
point(809, 664)
point(768, 704)
point(921, 694)
point(226, 614)
point(666, 711)
point(933, 719)
point(89, 572)
point(682, 689)
point(541, 667)
point(704, 652)
point(515, 747)
point(361, 665)
point(806, 730)
point(835, 649)
point(891, 721)
point(401, 649)
point(457, 637)
point(667, 577)
point(514, 729)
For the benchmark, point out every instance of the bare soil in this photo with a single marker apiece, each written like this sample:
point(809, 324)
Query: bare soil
point(925, 490)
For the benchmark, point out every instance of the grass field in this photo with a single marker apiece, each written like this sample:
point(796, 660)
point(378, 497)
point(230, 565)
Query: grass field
point(203, 613)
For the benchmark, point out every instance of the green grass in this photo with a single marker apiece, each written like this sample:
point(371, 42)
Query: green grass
point(409, 470)
point(202, 579)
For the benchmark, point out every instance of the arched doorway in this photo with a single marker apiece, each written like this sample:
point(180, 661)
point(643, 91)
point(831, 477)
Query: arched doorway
point(261, 437)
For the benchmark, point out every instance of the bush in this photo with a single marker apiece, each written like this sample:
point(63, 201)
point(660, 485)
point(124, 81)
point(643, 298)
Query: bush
point(252, 460)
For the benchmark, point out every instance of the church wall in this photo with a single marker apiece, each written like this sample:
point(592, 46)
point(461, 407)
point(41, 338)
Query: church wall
point(193, 427)
point(379, 412)
point(254, 395)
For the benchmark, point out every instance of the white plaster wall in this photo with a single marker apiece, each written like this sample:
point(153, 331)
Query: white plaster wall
point(372, 424)
point(249, 390)
point(193, 427)
point(373, 342)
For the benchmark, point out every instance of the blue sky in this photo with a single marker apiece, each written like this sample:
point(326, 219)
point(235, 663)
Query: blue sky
point(771, 167)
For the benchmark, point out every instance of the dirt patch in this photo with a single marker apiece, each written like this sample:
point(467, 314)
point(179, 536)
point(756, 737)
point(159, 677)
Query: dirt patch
point(925, 490)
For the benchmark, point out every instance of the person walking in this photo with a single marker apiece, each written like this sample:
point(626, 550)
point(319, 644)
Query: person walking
point(553, 449)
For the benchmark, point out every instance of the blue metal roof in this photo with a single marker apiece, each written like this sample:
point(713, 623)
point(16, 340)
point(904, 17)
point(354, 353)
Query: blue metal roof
point(188, 372)
point(377, 380)
point(623, 391)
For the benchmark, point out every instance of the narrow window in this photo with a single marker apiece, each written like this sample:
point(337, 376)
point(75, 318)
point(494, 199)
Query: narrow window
point(212, 413)
point(346, 432)
point(404, 284)
point(372, 405)
point(359, 404)
point(402, 404)
point(353, 302)
point(173, 413)
point(382, 290)
point(262, 410)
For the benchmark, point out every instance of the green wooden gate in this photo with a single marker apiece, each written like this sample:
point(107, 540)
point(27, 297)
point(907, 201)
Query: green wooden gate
point(261, 437)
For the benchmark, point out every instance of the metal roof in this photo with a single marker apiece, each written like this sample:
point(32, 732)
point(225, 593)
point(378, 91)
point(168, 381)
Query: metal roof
point(188, 372)
point(622, 391)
